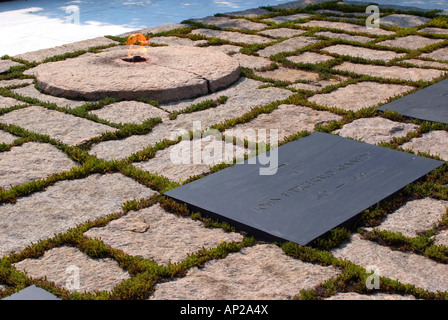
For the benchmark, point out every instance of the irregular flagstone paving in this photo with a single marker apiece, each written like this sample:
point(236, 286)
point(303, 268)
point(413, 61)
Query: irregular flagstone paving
point(32, 92)
point(408, 268)
point(286, 119)
point(262, 271)
point(440, 54)
point(242, 97)
point(15, 82)
point(229, 23)
point(433, 142)
point(64, 205)
point(360, 95)
point(424, 63)
point(282, 32)
point(176, 41)
point(309, 57)
point(272, 275)
point(231, 36)
point(289, 45)
point(358, 52)
point(343, 36)
point(129, 112)
point(69, 268)
point(375, 130)
point(6, 102)
point(346, 27)
point(31, 161)
point(190, 158)
point(434, 30)
point(67, 128)
point(393, 72)
point(415, 217)
point(6, 137)
point(403, 20)
point(5, 65)
point(290, 75)
point(375, 296)
point(158, 235)
point(282, 19)
point(409, 42)
point(252, 62)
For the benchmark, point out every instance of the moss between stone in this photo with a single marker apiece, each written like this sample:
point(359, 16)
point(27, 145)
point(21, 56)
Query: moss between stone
point(144, 273)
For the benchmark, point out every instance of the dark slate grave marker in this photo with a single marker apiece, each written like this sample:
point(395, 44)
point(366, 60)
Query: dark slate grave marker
point(428, 104)
point(322, 181)
point(32, 293)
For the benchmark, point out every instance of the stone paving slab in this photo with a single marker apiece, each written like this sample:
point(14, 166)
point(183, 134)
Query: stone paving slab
point(347, 27)
point(190, 158)
point(425, 63)
point(393, 72)
point(6, 137)
point(32, 92)
point(61, 265)
point(231, 36)
point(242, 97)
point(441, 238)
point(433, 142)
point(375, 130)
point(229, 23)
point(361, 95)
point(64, 205)
point(289, 45)
point(5, 65)
point(176, 41)
point(282, 32)
point(226, 48)
point(129, 112)
point(405, 267)
point(310, 57)
point(415, 217)
point(410, 42)
point(6, 102)
point(286, 119)
point(64, 127)
point(317, 85)
point(375, 296)
point(287, 74)
point(434, 30)
point(403, 20)
point(40, 55)
point(252, 62)
point(282, 19)
point(440, 54)
point(262, 272)
point(31, 161)
point(365, 53)
point(15, 82)
point(155, 234)
point(344, 36)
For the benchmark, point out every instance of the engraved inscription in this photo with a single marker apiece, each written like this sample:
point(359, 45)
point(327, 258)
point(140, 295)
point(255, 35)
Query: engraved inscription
point(317, 180)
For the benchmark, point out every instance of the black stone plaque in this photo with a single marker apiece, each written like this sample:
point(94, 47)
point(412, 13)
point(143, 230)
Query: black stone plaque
point(321, 182)
point(32, 293)
point(428, 104)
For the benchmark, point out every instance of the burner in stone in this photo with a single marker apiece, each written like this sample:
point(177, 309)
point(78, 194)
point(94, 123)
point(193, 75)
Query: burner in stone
point(135, 59)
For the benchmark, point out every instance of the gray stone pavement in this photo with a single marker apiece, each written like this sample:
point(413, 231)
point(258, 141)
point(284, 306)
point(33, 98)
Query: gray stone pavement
point(63, 177)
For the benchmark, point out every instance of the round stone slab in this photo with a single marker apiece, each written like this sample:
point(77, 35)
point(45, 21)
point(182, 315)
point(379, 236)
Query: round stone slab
point(170, 74)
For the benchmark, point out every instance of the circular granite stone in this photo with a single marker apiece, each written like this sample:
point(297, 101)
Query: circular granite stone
point(169, 74)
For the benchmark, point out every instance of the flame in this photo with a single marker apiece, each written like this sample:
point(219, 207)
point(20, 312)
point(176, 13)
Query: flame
point(139, 49)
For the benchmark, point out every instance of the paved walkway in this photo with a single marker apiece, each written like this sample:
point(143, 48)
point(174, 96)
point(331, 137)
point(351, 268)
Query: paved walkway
point(81, 180)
